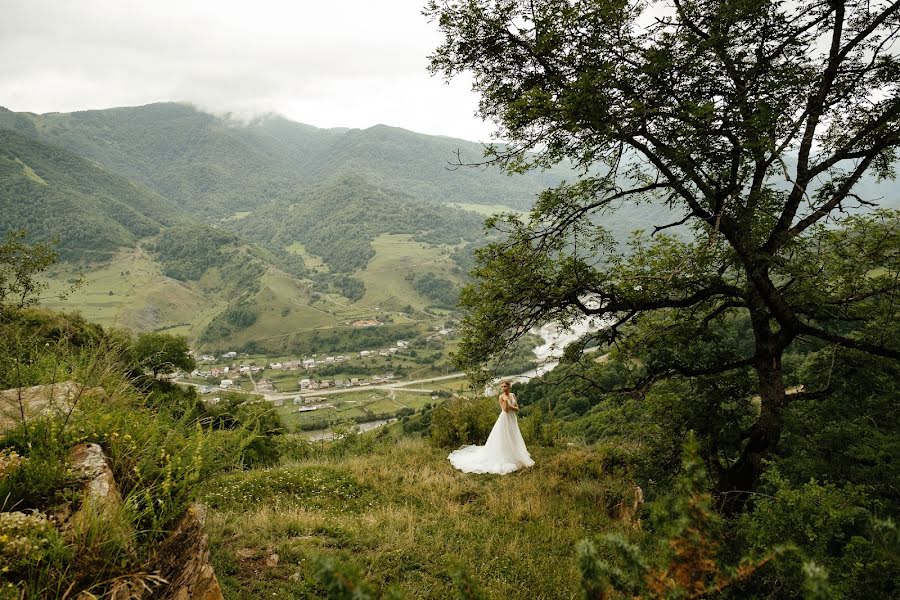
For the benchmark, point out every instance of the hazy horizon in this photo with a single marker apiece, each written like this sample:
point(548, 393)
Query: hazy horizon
point(354, 64)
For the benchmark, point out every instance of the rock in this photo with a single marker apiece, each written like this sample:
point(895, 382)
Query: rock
point(40, 400)
point(90, 465)
point(184, 561)
point(101, 501)
point(272, 560)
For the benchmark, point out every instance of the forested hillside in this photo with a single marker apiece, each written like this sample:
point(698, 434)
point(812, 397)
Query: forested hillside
point(338, 220)
point(54, 194)
point(214, 167)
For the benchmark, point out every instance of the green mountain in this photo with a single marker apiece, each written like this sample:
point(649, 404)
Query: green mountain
point(91, 211)
point(338, 220)
point(206, 165)
point(214, 167)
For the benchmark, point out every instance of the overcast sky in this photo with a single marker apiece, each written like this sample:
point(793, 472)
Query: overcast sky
point(350, 63)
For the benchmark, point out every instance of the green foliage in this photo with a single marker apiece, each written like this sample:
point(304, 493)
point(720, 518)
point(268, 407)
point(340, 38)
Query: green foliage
point(57, 195)
point(350, 287)
point(540, 428)
point(157, 449)
point(187, 252)
point(162, 353)
point(20, 264)
point(234, 411)
point(833, 528)
point(687, 565)
point(461, 421)
point(443, 292)
point(29, 543)
point(753, 248)
point(338, 219)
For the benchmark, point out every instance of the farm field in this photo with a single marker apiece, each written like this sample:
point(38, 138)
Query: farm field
point(356, 404)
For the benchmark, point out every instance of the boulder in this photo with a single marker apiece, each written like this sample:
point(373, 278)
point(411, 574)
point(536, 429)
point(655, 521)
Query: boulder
point(101, 502)
point(184, 561)
point(41, 400)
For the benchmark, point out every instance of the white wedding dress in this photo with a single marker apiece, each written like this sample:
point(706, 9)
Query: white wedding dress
point(502, 453)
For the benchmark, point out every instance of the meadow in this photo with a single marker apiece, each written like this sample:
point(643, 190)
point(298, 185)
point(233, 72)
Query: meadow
point(402, 518)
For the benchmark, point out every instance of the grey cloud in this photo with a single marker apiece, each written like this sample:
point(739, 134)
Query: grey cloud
point(364, 58)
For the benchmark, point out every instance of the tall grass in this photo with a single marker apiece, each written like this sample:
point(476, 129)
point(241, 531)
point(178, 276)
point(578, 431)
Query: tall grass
point(159, 451)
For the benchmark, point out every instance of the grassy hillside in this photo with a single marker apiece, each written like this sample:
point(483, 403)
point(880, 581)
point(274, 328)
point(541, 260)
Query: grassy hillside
point(403, 517)
point(55, 194)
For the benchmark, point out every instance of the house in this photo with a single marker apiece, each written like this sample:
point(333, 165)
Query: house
point(340, 383)
point(244, 369)
point(304, 384)
point(226, 383)
point(255, 369)
point(298, 400)
point(229, 355)
point(389, 375)
point(276, 366)
point(309, 363)
point(402, 344)
point(265, 385)
point(307, 408)
point(354, 381)
point(340, 358)
point(216, 372)
point(329, 359)
point(365, 353)
point(278, 402)
point(326, 383)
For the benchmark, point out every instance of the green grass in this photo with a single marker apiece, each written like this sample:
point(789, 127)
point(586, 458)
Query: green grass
point(396, 256)
point(404, 518)
point(311, 261)
point(131, 291)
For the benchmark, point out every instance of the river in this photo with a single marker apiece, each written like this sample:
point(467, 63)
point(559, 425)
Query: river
point(555, 341)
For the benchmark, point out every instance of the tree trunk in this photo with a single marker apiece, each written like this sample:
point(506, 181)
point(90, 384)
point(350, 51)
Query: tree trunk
point(736, 482)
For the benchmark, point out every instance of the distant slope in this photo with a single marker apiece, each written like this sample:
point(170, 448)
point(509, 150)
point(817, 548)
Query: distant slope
point(338, 219)
point(417, 164)
point(213, 167)
point(206, 165)
point(55, 194)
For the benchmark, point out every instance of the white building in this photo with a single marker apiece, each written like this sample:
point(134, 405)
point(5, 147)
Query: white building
point(226, 383)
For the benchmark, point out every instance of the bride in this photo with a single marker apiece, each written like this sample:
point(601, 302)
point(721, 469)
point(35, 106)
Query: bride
point(504, 451)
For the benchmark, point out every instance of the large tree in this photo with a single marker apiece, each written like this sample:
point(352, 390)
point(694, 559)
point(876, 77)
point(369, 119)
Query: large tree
point(753, 121)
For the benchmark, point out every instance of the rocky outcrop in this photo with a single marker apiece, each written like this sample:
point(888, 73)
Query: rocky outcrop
point(184, 561)
point(41, 400)
point(90, 465)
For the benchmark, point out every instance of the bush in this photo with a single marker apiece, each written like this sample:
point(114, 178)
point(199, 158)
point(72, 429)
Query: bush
point(830, 526)
point(460, 421)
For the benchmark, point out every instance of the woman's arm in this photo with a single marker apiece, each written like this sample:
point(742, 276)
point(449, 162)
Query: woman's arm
point(503, 405)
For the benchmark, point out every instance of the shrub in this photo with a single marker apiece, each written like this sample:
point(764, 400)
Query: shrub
point(461, 421)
